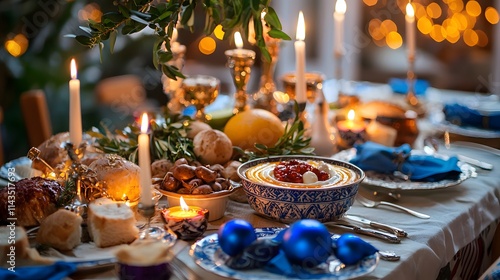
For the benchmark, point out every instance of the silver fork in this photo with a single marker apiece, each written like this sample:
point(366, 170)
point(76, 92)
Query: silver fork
point(372, 204)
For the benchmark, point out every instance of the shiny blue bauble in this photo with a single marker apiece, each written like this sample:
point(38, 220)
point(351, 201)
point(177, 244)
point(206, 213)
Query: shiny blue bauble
point(350, 249)
point(234, 236)
point(307, 243)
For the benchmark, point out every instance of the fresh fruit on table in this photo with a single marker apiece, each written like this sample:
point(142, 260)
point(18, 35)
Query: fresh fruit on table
point(254, 126)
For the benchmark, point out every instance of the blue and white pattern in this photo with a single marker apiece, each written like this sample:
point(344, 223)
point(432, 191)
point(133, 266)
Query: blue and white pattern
point(205, 254)
point(291, 204)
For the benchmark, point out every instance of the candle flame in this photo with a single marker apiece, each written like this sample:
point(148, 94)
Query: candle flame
point(340, 7)
point(409, 10)
point(144, 123)
point(301, 28)
point(351, 115)
point(73, 69)
point(238, 41)
point(183, 204)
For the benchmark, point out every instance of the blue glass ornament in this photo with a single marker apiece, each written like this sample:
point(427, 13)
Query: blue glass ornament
point(350, 249)
point(235, 235)
point(307, 243)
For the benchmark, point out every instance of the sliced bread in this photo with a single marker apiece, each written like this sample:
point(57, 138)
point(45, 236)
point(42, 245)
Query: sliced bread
point(111, 223)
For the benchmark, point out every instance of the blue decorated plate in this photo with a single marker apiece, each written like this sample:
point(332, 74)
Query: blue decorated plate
point(205, 253)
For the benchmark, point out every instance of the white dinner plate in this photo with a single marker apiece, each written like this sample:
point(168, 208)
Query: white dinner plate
point(86, 256)
point(205, 253)
point(391, 181)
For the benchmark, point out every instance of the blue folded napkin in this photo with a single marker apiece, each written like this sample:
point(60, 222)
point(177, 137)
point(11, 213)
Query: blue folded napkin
point(464, 116)
point(401, 86)
point(371, 156)
point(55, 271)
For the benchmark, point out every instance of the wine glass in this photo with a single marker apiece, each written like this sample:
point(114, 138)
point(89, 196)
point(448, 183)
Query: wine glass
point(314, 82)
point(200, 91)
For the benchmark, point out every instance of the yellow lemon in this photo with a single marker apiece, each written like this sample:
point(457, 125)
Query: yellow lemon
point(254, 126)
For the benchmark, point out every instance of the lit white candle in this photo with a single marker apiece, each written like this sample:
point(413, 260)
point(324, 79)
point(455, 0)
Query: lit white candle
point(145, 163)
point(75, 115)
point(300, 60)
point(338, 16)
point(238, 41)
point(410, 29)
point(239, 51)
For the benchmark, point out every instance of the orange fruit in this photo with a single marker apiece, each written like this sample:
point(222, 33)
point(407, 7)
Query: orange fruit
point(254, 126)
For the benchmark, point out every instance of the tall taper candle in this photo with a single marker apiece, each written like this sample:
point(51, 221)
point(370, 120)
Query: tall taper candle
point(338, 16)
point(145, 163)
point(300, 61)
point(410, 29)
point(75, 115)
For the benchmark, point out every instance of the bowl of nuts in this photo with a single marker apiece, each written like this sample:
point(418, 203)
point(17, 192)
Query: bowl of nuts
point(200, 185)
point(290, 188)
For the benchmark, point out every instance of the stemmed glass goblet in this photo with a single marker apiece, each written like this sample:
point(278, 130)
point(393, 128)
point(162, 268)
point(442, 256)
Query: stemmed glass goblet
point(200, 91)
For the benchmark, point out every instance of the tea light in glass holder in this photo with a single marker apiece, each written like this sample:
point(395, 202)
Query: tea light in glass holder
point(188, 222)
point(351, 130)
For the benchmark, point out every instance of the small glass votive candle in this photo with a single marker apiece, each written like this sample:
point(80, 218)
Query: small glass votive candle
point(187, 222)
point(351, 131)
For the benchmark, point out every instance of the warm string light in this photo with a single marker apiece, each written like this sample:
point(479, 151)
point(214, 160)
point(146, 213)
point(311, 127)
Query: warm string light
point(452, 21)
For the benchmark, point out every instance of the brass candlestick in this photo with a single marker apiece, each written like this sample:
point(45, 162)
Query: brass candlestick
point(411, 98)
point(240, 62)
point(264, 98)
point(76, 174)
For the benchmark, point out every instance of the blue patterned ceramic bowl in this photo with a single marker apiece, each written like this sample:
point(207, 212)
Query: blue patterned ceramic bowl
point(287, 204)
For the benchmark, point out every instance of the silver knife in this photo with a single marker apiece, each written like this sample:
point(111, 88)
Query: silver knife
point(397, 231)
point(389, 237)
point(473, 161)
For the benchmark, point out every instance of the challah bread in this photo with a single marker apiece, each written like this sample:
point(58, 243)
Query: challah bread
point(111, 223)
point(61, 230)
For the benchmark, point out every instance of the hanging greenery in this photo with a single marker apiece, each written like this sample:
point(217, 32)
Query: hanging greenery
point(163, 16)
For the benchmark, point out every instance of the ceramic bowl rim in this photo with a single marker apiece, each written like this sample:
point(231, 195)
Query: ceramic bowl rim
point(243, 167)
point(220, 194)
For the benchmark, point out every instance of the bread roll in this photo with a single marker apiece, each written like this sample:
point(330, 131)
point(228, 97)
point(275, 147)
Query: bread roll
point(212, 147)
point(111, 223)
point(61, 230)
point(54, 153)
point(15, 248)
point(119, 176)
point(159, 168)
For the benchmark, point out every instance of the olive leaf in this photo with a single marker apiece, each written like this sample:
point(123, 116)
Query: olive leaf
point(133, 16)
